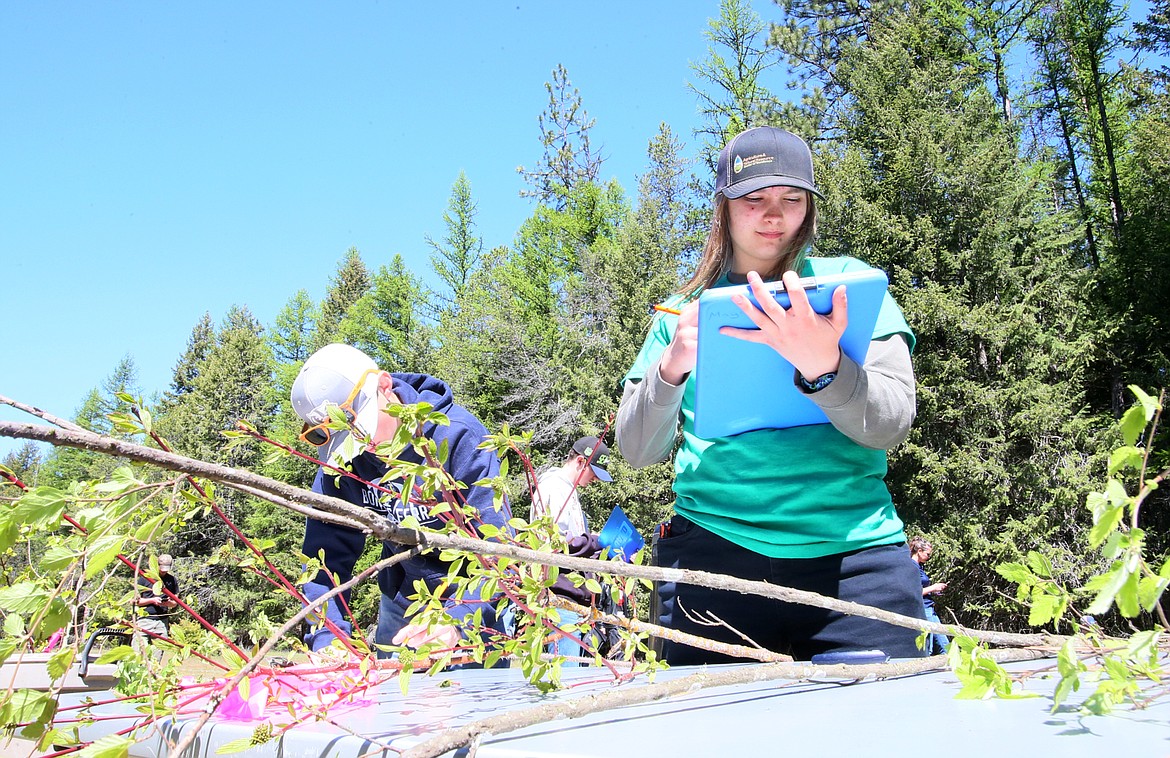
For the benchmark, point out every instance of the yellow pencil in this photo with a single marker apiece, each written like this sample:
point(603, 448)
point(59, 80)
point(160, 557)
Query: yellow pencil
point(668, 309)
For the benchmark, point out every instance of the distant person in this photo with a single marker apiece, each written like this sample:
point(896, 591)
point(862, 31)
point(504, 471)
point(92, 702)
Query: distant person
point(556, 489)
point(342, 377)
point(804, 506)
point(158, 607)
point(556, 497)
point(920, 551)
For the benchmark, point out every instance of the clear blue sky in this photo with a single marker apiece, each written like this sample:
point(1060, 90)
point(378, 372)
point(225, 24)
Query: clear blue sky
point(161, 160)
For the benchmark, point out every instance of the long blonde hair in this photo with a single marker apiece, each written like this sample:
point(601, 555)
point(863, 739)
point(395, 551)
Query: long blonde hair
point(717, 252)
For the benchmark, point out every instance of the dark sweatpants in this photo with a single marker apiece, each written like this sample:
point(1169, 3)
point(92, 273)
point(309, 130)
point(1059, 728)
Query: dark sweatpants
point(884, 577)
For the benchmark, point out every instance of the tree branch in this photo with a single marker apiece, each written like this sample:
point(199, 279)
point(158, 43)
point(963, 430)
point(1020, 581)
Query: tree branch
point(456, 737)
point(335, 510)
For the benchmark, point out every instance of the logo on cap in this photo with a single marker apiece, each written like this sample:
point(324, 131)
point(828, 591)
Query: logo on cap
point(738, 165)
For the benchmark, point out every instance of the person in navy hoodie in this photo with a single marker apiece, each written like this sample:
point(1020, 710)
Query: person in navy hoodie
point(343, 377)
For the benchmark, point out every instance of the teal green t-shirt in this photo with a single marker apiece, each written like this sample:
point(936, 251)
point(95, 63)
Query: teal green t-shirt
point(801, 492)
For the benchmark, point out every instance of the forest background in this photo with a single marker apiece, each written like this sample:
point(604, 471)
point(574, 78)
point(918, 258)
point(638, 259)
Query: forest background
point(1023, 227)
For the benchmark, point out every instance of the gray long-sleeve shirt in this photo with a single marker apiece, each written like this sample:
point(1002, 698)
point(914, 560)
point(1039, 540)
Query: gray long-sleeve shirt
point(874, 405)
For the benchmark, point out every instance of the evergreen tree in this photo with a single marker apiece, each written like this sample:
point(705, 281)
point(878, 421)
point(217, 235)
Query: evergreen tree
point(291, 335)
point(984, 34)
point(568, 158)
point(476, 340)
point(24, 462)
point(1153, 35)
point(622, 279)
point(460, 253)
point(653, 253)
point(732, 95)
point(199, 344)
point(348, 285)
point(386, 324)
point(291, 340)
point(66, 465)
point(234, 383)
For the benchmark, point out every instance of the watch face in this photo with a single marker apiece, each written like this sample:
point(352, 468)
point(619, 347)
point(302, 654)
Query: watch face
point(822, 381)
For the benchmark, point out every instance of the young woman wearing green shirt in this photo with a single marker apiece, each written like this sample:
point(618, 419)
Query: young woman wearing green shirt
point(804, 507)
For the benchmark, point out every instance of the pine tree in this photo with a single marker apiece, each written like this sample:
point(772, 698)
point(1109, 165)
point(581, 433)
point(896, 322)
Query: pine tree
point(65, 465)
point(386, 323)
point(459, 255)
point(233, 383)
point(732, 93)
point(568, 158)
point(24, 462)
point(348, 285)
point(186, 370)
point(624, 277)
point(291, 335)
point(291, 341)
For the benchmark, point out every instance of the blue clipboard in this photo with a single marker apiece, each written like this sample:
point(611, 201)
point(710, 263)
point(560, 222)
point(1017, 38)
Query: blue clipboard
point(620, 535)
point(741, 386)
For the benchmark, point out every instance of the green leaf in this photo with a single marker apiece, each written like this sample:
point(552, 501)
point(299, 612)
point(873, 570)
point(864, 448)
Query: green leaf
point(1126, 458)
point(1115, 492)
point(1039, 564)
point(1107, 586)
point(1127, 596)
point(1043, 609)
point(59, 662)
point(1150, 589)
point(1133, 423)
point(102, 551)
point(977, 682)
point(1016, 572)
point(1070, 668)
point(1104, 523)
point(120, 480)
point(110, 746)
point(1149, 403)
point(36, 709)
point(404, 677)
point(8, 645)
point(24, 597)
point(115, 654)
point(145, 532)
point(146, 419)
point(1143, 646)
point(41, 506)
point(14, 625)
point(58, 558)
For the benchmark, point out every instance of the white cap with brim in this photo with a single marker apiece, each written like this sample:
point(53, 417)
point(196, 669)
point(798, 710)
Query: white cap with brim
point(327, 378)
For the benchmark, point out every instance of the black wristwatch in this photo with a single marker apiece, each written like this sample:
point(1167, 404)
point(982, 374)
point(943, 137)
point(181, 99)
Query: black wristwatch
point(816, 385)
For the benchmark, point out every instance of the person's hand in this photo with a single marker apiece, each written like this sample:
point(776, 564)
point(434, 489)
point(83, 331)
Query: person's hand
point(936, 588)
point(806, 339)
point(417, 635)
point(678, 360)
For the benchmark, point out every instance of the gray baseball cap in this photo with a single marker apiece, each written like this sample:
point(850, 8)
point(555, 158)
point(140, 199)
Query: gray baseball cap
point(763, 157)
